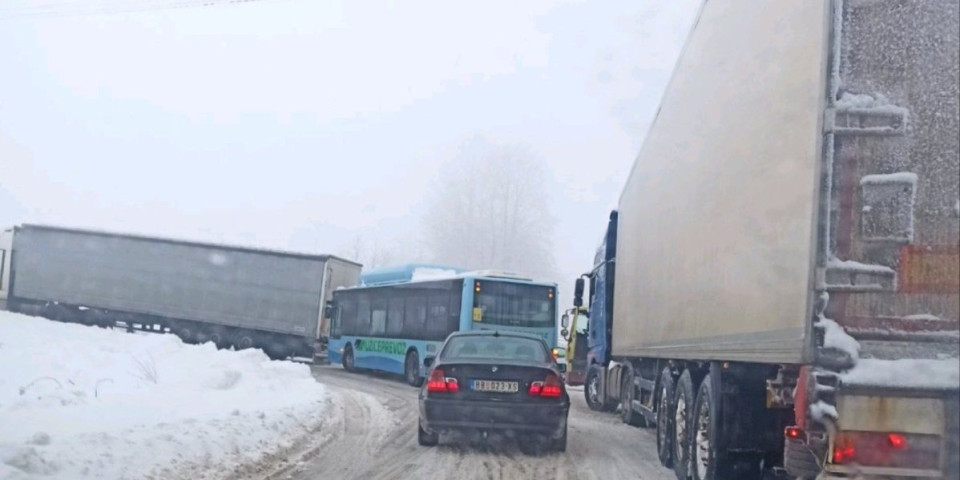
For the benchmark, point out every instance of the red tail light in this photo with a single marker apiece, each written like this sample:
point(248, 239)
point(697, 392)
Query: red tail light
point(794, 433)
point(550, 387)
point(897, 441)
point(438, 383)
point(886, 449)
point(844, 454)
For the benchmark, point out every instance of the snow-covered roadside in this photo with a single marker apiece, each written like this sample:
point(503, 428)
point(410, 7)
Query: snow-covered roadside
point(81, 402)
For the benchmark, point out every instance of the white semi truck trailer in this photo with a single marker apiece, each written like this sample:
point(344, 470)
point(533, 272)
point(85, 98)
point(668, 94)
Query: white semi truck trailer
point(778, 290)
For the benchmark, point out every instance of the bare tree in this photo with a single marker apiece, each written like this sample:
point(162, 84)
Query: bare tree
point(370, 251)
point(490, 210)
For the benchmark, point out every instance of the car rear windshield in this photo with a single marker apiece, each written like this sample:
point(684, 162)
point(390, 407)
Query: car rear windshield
point(494, 348)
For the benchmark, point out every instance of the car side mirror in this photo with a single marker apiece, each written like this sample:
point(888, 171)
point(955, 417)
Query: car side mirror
point(578, 293)
point(565, 321)
point(428, 362)
point(564, 333)
point(328, 310)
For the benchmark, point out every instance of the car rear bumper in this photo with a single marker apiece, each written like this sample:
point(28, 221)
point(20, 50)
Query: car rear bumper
point(459, 415)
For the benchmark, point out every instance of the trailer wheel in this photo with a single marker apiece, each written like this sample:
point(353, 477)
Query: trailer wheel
point(347, 360)
point(708, 462)
point(412, 369)
point(665, 394)
point(218, 337)
point(682, 422)
point(186, 333)
point(627, 391)
point(243, 340)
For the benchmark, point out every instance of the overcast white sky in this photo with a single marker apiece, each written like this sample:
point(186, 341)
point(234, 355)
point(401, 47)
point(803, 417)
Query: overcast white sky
point(295, 124)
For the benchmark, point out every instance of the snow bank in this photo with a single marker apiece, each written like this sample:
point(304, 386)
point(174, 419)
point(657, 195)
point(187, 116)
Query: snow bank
point(888, 178)
point(857, 267)
point(834, 336)
point(421, 274)
point(905, 373)
point(864, 102)
point(80, 402)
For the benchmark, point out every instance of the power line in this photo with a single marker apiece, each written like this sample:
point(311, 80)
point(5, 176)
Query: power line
point(105, 7)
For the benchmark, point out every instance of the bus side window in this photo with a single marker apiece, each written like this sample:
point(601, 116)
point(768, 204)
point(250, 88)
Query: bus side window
point(363, 315)
point(395, 316)
point(348, 315)
point(415, 317)
point(378, 318)
point(437, 316)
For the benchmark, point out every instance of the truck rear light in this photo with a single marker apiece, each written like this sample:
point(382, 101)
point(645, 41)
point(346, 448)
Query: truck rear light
point(550, 387)
point(887, 449)
point(897, 441)
point(794, 433)
point(437, 383)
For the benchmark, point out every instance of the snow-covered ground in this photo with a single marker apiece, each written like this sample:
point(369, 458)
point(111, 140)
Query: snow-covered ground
point(84, 402)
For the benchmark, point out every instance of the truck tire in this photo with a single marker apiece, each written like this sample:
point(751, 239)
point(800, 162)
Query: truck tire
point(683, 404)
point(411, 369)
point(243, 340)
point(627, 391)
point(217, 336)
point(186, 333)
point(593, 390)
point(708, 462)
point(665, 393)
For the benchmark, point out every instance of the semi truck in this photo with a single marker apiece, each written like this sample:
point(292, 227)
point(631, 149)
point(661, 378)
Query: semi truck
point(777, 292)
point(231, 296)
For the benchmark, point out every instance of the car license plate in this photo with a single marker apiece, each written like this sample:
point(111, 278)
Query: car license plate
point(495, 386)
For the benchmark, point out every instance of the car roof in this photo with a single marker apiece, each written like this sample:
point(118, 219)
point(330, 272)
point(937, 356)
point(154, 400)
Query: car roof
point(496, 333)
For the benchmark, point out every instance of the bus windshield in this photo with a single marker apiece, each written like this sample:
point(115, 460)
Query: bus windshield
point(503, 303)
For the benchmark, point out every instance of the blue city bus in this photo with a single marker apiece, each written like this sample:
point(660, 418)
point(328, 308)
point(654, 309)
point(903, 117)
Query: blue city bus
point(395, 320)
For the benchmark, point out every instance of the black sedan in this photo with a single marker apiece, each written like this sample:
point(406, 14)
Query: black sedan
point(496, 382)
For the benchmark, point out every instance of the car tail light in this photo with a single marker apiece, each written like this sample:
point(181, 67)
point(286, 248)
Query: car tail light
point(438, 383)
point(887, 449)
point(794, 433)
point(549, 387)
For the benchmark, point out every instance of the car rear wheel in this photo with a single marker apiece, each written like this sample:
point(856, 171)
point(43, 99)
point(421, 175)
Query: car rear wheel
point(425, 438)
point(560, 444)
point(682, 425)
point(412, 369)
point(347, 359)
point(665, 418)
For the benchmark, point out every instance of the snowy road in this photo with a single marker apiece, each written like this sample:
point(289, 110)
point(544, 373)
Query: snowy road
point(371, 434)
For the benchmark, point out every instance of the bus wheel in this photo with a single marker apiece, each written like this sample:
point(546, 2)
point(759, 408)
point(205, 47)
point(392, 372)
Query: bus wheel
point(412, 369)
point(347, 360)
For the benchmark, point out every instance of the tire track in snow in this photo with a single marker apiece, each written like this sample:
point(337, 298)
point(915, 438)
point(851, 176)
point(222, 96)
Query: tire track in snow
point(371, 433)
